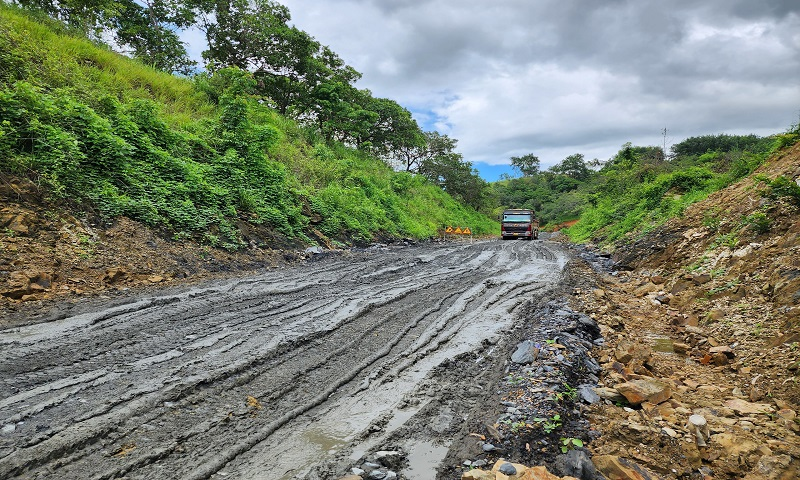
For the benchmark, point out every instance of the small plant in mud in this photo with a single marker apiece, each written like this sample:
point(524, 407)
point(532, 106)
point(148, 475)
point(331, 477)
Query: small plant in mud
point(729, 240)
point(696, 265)
point(569, 443)
point(759, 222)
point(569, 392)
point(711, 220)
point(515, 379)
point(549, 424)
point(515, 427)
point(728, 286)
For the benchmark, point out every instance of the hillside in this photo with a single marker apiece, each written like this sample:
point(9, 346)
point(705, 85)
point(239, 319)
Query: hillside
point(709, 309)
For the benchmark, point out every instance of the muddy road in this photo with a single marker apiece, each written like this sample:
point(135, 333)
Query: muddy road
point(295, 373)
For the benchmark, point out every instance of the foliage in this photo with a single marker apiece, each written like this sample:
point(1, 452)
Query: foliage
point(527, 165)
point(639, 189)
point(781, 187)
point(568, 444)
point(203, 158)
point(549, 424)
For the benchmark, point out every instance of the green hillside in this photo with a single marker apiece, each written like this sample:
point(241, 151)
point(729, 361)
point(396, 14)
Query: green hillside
point(640, 188)
point(203, 158)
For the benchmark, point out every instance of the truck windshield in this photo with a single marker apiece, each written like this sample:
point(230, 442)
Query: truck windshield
point(519, 217)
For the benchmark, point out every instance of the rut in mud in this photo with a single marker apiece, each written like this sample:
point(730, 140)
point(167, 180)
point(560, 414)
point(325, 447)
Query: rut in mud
point(264, 377)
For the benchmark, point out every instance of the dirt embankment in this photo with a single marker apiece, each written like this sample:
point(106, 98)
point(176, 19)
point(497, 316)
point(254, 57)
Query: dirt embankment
point(707, 323)
point(49, 257)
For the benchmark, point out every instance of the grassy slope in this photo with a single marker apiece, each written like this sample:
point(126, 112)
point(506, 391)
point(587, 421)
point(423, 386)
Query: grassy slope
point(184, 169)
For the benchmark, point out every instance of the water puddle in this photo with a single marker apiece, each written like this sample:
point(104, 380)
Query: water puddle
point(423, 458)
point(326, 441)
point(661, 344)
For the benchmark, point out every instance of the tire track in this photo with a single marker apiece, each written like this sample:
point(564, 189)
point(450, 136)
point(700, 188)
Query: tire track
point(155, 388)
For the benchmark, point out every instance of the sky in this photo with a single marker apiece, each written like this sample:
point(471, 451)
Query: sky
point(558, 77)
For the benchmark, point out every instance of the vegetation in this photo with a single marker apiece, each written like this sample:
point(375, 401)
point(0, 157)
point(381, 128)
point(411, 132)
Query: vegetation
point(641, 187)
point(229, 152)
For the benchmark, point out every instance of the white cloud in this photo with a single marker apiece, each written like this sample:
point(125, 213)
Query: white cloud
point(557, 77)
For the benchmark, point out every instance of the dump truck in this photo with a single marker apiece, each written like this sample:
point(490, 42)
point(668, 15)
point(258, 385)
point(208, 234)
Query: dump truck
point(519, 223)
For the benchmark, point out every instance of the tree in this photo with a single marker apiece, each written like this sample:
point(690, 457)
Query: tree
point(149, 32)
point(92, 17)
point(527, 165)
point(573, 166)
point(291, 68)
point(433, 144)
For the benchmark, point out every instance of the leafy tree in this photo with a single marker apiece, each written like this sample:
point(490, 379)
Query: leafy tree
point(92, 17)
point(412, 156)
point(289, 65)
point(457, 178)
point(573, 166)
point(528, 165)
point(149, 31)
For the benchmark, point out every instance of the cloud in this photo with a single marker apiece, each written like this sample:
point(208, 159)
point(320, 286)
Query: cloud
point(560, 77)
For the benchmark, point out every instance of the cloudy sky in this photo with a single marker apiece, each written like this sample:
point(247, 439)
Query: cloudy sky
point(557, 77)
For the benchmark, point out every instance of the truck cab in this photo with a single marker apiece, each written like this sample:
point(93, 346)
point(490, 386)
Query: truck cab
point(519, 223)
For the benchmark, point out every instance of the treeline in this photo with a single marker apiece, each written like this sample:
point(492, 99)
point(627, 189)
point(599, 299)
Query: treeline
point(211, 157)
point(639, 188)
point(291, 71)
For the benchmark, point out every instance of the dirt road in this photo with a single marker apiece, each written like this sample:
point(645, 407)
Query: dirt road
point(291, 374)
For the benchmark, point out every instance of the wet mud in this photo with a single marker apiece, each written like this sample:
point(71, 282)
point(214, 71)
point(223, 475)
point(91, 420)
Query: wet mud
point(296, 373)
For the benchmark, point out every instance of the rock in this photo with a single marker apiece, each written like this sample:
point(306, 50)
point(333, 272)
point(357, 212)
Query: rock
point(588, 394)
point(488, 447)
point(575, 463)
point(616, 468)
point(538, 473)
point(9, 428)
point(507, 469)
point(389, 459)
point(610, 394)
point(315, 250)
point(778, 467)
point(477, 475)
point(20, 224)
point(701, 279)
point(17, 285)
point(733, 445)
point(628, 352)
point(645, 389)
point(527, 352)
point(743, 407)
point(377, 475)
point(502, 466)
point(115, 274)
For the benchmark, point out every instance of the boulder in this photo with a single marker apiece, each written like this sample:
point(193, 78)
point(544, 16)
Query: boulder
point(477, 475)
point(645, 389)
point(743, 407)
point(617, 468)
point(527, 352)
